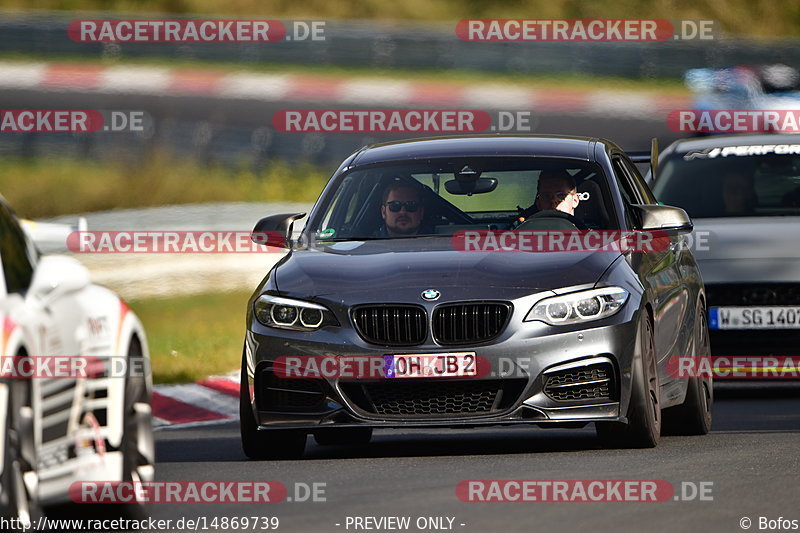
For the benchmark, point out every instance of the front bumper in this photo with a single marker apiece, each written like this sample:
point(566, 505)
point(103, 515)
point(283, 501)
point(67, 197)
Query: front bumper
point(522, 363)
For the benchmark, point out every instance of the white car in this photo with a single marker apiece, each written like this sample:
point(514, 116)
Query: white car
point(88, 425)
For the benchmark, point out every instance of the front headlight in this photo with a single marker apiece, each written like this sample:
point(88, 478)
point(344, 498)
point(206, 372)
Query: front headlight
point(581, 306)
point(287, 313)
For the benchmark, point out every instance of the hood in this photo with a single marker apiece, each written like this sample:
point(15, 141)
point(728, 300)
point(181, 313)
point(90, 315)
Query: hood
point(399, 269)
point(748, 249)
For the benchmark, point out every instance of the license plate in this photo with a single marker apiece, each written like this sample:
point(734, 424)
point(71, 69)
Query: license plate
point(754, 318)
point(439, 365)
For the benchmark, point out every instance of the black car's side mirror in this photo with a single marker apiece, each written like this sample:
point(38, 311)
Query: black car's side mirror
point(663, 218)
point(275, 230)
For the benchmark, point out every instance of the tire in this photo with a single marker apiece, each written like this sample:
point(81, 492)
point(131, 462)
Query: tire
point(343, 436)
point(694, 415)
point(265, 444)
point(643, 429)
point(137, 438)
point(18, 455)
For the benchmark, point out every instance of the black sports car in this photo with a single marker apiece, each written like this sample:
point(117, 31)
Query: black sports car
point(457, 338)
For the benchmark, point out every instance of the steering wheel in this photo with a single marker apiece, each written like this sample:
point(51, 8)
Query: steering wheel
point(551, 219)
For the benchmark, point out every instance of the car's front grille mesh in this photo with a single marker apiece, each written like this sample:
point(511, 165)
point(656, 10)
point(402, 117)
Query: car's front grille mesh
point(425, 398)
point(753, 294)
point(593, 382)
point(467, 323)
point(391, 325)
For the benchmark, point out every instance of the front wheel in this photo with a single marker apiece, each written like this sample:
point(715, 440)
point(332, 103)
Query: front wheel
point(643, 429)
point(137, 438)
point(17, 506)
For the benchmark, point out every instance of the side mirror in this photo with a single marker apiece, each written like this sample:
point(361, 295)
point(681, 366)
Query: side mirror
point(57, 275)
point(275, 230)
point(663, 218)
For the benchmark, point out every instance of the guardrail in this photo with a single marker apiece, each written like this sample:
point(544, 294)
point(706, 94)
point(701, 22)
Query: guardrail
point(429, 46)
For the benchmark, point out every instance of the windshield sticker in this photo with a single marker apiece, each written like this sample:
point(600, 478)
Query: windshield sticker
point(327, 233)
point(743, 151)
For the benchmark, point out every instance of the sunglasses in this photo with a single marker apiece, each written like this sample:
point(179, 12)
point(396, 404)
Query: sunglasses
point(396, 205)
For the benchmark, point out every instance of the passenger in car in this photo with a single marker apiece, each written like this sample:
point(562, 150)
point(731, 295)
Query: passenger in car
point(557, 191)
point(402, 209)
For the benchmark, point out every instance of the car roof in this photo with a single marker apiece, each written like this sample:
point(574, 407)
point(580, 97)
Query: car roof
point(561, 146)
point(715, 141)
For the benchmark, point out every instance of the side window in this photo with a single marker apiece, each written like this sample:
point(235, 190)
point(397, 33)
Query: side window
point(630, 195)
point(639, 182)
point(337, 211)
point(17, 266)
point(356, 200)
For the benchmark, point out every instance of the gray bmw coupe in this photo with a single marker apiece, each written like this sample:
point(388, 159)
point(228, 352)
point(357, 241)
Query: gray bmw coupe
point(411, 300)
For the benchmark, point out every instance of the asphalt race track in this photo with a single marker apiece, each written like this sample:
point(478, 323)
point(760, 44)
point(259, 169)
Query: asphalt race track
point(751, 459)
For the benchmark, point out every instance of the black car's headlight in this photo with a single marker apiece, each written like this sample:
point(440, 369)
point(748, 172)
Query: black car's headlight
point(581, 306)
point(288, 313)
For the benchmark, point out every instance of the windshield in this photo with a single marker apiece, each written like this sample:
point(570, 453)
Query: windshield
point(742, 181)
point(440, 197)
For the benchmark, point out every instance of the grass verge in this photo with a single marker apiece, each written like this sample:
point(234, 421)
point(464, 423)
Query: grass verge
point(45, 187)
point(192, 337)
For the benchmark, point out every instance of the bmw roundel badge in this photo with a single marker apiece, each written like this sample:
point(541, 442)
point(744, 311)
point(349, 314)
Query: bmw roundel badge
point(431, 294)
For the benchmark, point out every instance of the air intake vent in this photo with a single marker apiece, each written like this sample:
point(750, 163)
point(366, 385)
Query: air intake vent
point(416, 398)
point(277, 394)
point(591, 382)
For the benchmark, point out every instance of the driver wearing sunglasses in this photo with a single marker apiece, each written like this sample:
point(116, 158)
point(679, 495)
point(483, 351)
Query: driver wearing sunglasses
point(402, 210)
